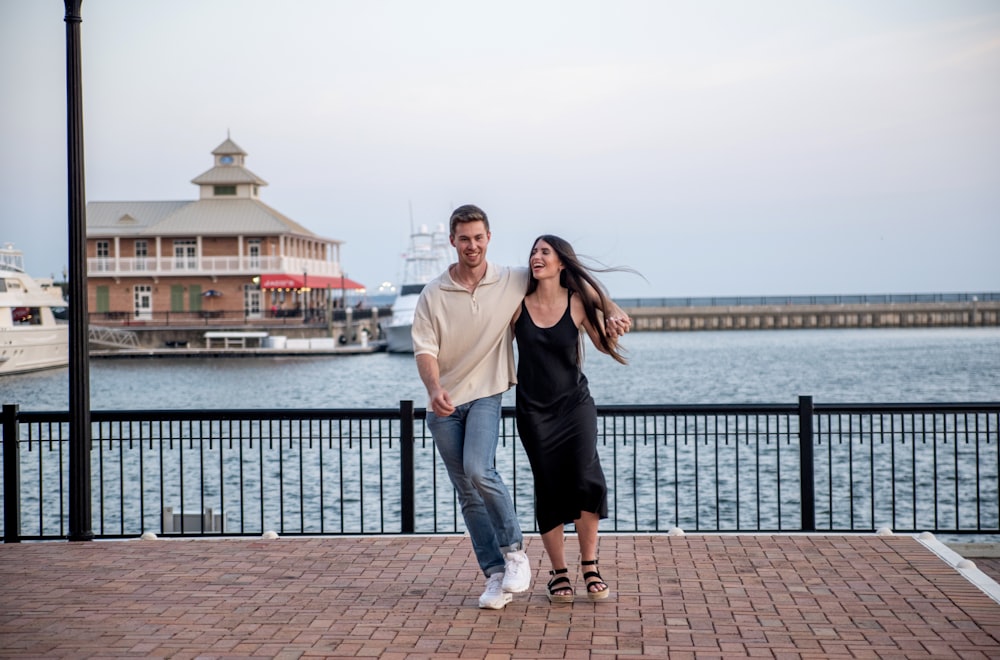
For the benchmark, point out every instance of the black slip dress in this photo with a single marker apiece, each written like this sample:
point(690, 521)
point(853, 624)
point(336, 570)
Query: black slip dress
point(557, 422)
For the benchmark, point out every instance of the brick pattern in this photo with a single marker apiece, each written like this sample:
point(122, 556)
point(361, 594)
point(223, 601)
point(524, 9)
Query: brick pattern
point(988, 565)
point(693, 596)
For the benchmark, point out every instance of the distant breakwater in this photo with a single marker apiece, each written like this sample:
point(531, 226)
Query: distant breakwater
point(968, 313)
point(648, 314)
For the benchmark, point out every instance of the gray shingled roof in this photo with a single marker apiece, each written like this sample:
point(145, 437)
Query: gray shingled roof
point(206, 217)
point(127, 218)
point(228, 175)
point(228, 147)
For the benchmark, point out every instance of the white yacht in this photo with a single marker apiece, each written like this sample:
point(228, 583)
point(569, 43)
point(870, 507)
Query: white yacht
point(31, 337)
point(427, 256)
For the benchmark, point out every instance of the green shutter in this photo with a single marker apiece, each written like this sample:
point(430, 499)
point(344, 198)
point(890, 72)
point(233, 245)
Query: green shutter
point(194, 296)
point(103, 298)
point(177, 298)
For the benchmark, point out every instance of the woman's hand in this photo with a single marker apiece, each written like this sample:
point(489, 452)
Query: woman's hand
point(616, 326)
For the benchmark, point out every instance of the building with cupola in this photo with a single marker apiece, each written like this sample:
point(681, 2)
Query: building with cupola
point(225, 255)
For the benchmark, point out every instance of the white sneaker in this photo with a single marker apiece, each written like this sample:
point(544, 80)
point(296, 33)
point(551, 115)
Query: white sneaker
point(494, 598)
point(517, 572)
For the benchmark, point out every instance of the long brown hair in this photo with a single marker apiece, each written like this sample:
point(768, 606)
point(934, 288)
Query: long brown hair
point(577, 277)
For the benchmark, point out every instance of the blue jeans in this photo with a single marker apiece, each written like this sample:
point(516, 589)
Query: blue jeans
point(467, 441)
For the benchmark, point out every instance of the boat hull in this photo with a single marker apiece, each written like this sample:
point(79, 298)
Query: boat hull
point(427, 257)
point(32, 349)
point(31, 337)
point(398, 338)
point(397, 330)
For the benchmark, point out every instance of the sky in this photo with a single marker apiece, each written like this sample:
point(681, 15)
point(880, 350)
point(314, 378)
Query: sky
point(717, 147)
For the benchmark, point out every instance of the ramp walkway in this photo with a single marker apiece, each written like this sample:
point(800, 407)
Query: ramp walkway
point(100, 335)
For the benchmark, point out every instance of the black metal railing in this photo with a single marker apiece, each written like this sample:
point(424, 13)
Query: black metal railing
point(733, 468)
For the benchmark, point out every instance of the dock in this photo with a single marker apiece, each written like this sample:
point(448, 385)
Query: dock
point(238, 351)
point(401, 596)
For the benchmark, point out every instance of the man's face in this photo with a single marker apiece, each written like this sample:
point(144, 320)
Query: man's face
point(470, 241)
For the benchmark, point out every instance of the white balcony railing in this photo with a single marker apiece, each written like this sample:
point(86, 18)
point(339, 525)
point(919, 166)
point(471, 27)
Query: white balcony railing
point(207, 266)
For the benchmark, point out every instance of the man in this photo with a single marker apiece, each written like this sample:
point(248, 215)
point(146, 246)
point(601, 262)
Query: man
point(463, 346)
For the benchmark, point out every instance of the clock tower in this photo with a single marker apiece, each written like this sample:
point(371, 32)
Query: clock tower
point(229, 178)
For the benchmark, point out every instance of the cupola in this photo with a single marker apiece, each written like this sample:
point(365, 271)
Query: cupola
point(229, 178)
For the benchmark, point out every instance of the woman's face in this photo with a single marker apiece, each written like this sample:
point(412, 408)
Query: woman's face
point(543, 261)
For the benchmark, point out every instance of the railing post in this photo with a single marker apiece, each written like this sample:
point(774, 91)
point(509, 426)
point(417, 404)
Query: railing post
point(406, 477)
point(11, 476)
point(807, 477)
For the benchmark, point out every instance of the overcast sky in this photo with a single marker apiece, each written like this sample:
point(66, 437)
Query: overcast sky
point(718, 147)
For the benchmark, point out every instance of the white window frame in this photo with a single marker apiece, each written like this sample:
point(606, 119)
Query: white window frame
point(186, 254)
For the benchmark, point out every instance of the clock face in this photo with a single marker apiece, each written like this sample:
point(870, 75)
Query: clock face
point(226, 160)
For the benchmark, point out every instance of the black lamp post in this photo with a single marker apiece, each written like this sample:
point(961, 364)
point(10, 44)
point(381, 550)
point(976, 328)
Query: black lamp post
point(80, 525)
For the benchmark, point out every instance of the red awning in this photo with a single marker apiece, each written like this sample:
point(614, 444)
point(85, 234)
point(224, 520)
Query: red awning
point(299, 280)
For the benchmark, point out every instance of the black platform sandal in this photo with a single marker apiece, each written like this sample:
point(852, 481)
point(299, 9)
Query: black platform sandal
point(593, 578)
point(560, 582)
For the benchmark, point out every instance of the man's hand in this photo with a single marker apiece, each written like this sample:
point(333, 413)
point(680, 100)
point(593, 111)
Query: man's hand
point(441, 403)
point(440, 400)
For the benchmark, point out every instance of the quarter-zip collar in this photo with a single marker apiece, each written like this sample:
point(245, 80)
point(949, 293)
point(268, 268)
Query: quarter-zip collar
point(492, 276)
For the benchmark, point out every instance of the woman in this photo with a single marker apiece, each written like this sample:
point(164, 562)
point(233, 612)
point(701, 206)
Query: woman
point(556, 416)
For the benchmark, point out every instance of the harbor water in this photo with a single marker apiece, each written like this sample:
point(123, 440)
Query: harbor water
point(759, 366)
point(730, 367)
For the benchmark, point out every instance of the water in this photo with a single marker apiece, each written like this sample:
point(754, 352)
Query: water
point(834, 366)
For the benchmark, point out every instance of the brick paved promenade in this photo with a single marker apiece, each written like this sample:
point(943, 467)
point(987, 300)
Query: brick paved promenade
point(695, 596)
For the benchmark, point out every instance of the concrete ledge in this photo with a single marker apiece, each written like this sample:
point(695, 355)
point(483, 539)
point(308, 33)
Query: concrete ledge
point(976, 549)
point(967, 568)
